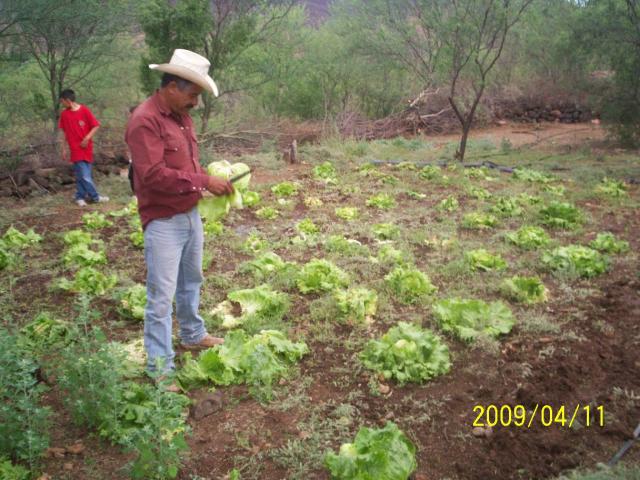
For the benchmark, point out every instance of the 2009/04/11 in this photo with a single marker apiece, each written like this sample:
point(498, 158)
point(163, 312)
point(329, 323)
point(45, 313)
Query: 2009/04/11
point(519, 416)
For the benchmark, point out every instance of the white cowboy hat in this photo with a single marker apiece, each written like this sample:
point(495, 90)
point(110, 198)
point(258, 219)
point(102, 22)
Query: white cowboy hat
point(190, 66)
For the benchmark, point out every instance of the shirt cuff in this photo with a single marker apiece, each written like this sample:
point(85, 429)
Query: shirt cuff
point(201, 182)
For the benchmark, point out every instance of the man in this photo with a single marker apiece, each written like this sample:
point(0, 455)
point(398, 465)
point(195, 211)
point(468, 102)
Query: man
point(79, 126)
point(168, 182)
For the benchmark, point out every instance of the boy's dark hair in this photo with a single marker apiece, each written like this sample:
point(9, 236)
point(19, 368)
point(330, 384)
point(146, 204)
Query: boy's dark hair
point(167, 78)
point(68, 94)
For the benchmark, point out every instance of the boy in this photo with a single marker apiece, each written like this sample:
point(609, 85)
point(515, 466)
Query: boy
point(79, 126)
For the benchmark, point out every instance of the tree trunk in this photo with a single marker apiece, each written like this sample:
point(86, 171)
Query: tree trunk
point(466, 128)
point(206, 112)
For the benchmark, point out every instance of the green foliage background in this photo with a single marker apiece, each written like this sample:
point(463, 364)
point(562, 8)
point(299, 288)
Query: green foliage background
point(271, 62)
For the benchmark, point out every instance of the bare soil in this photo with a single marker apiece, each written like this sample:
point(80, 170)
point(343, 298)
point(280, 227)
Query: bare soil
point(533, 370)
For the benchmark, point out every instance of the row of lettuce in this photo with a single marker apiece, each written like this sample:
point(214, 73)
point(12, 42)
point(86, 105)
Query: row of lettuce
point(120, 409)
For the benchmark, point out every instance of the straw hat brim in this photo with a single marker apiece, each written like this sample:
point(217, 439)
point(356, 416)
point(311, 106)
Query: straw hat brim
point(206, 82)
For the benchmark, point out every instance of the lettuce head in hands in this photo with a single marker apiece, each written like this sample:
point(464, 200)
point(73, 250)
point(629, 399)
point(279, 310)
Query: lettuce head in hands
point(214, 208)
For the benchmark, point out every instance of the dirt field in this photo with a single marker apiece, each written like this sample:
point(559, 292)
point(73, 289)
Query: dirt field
point(580, 349)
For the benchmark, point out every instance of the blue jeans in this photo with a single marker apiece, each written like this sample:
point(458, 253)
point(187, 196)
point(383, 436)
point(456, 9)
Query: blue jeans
point(173, 254)
point(84, 182)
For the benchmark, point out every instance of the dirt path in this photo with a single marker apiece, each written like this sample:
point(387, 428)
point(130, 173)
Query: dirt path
point(542, 135)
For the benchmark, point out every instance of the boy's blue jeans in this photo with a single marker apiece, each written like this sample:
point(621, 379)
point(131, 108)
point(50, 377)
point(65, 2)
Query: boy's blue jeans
point(84, 181)
point(173, 254)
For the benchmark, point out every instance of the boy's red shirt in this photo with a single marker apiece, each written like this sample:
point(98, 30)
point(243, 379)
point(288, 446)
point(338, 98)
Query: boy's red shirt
point(75, 126)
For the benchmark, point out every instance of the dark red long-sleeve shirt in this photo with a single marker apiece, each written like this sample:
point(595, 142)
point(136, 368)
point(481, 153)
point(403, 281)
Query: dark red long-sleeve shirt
point(168, 178)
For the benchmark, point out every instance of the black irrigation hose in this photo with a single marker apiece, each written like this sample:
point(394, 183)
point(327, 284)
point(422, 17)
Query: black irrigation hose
point(485, 163)
point(626, 446)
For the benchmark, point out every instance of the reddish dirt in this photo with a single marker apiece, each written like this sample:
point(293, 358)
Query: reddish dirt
point(530, 370)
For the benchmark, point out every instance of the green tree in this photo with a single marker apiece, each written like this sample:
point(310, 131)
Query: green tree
point(222, 31)
point(70, 40)
point(615, 39)
point(457, 41)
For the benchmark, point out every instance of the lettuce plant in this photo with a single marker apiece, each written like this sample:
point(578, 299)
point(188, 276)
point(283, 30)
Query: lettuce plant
point(81, 255)
point(608, 243)
point(375, 454)
point(266, 266)
point(357, 304)
point(449, 204)
point(475, 172)
point(96, 221)
point(529, 237)
point(321, 276)
point(213, 228)
point(527, 290)
point(345, 246)
point(267, 213)
point(129, 209)
point(347, 213)
point(468, 319)
point(213, 208)
point(576, 260)
point(479, 193)
point(250, 198)
point(430, 172)
point(481, 259)
point(381, 201)
point(386, 231)
point(14, 238)
point(260, 305)
point(388, 254)
point(325, 172)
point(409, 284)
point(527, 199)
point(76, 237)
point(611, 188)
point(137, 238)
point(557, 190)
point(507, 207)
point(416, 195)
point(313, 202)
point(132, 302)
point(257, 361)
point(8, 258)
point(285, 189)
point(560, 215)
point(532, 176)
point(254, 243)
point(479, 220)
point(407, 353)
point(45, 332)
point(89, 280)
point(307, 226)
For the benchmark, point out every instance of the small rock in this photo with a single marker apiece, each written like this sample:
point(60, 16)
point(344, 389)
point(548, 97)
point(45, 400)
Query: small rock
point(56, 452)
point(482, 432)
point(384, 389)
point(44, 476)
point(75, 449)
point(68, 466)
point(282, 382)
point(208, 405)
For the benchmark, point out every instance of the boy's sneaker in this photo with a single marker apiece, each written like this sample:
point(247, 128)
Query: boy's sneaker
point(102, 199)
point(81, 203)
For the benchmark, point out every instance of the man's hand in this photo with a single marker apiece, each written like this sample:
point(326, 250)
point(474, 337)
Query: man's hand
point(84, 142)
point(220, 187)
